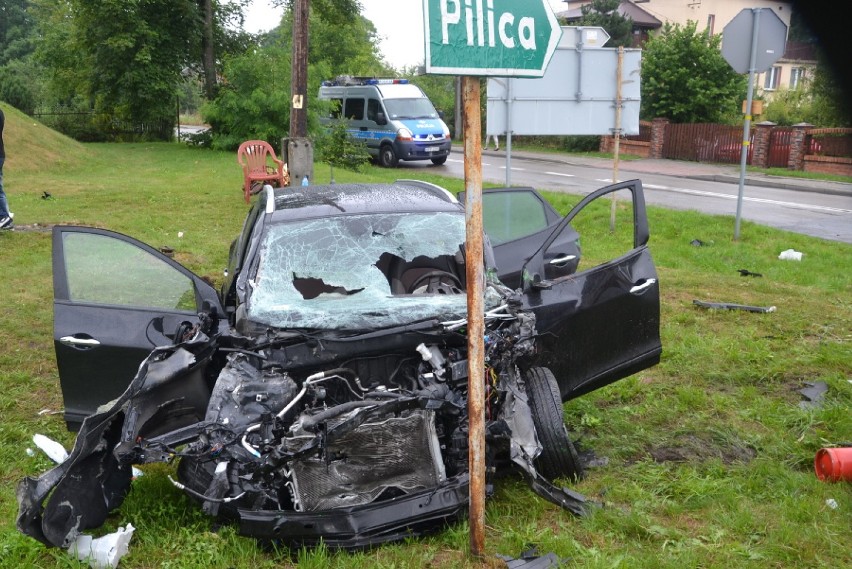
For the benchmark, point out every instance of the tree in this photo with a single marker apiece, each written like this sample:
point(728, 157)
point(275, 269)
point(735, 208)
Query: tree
point(128, 59)
point(254, 101)
point(137, 50)
point(686, 79)
point(605, 14)
point(830, 106)
point(20, 77)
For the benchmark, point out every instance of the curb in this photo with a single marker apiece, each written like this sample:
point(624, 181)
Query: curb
point(780, 183)
point(814, 186)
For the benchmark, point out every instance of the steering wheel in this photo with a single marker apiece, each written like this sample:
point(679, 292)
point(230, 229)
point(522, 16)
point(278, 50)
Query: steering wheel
point(436, 282)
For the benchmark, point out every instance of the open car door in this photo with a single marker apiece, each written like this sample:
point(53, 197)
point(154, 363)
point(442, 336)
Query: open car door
point(598, 315)
point(114, 300)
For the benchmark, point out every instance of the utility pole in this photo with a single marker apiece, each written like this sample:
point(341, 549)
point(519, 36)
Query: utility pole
point(299, 151)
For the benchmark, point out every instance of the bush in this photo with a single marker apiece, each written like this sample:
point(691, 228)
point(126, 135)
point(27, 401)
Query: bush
point(339, 149)
point(14, 90)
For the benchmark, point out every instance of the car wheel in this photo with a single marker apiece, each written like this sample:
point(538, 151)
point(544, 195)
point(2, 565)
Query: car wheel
point(439, 161)
point(558, 457)
point(387, 157)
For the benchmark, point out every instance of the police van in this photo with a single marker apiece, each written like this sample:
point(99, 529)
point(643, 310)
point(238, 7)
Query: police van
point(393, 117)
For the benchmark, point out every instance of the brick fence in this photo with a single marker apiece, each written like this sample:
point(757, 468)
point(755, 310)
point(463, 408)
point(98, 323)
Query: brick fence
point(800, 147)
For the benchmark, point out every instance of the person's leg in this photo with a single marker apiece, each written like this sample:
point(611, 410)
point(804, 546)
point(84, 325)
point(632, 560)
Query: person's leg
point(5, 217)
point(4, 204)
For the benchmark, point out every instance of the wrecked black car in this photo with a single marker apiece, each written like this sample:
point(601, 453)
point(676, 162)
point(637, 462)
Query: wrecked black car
point(321, 396)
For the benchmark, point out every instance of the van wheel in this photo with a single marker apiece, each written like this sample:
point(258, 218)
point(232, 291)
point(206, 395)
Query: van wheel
point(558, 456)
point(387, 157)
point(439, 161)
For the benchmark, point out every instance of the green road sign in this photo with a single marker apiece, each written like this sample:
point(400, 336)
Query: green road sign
point(495, 38)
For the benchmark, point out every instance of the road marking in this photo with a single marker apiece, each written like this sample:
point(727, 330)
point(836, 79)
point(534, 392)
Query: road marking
point(761, 200)
point(560, 174)
point(655, 187)
point(514, 169)
point(462, 161)
point(608, 181)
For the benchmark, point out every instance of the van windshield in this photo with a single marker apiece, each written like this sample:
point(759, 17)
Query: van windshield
point(401, 109)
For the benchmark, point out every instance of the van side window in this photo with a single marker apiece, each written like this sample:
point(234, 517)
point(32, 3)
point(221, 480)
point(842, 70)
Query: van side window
point(355, 109)
point(373, 110)
point(336, 106)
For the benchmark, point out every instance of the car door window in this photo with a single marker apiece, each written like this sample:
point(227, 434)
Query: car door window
point(606, 228)
point(104, 270)
point(511, 215)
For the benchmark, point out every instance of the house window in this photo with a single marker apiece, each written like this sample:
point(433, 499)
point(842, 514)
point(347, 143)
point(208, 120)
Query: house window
point(711, 24)
point(797, 75)
point(770, 82)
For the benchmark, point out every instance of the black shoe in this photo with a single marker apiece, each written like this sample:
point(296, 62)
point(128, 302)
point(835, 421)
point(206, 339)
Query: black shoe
point(6, 222)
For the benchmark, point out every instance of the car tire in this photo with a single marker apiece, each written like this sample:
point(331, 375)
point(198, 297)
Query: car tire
point(558, 458)
point(439, 161)
point(387, 157)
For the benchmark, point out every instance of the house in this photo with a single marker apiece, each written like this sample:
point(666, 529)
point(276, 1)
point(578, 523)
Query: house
point(644, 22)
point(799, 59)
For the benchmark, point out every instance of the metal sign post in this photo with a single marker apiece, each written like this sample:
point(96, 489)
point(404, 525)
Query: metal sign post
point(476, 38)
point(616, 134)
point(475, 312)
point(765, 38)
point(747, 122)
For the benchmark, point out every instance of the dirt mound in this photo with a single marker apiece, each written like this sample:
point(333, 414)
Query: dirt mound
point(32, 147)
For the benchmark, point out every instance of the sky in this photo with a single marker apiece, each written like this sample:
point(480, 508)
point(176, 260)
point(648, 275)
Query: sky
point(399, 24)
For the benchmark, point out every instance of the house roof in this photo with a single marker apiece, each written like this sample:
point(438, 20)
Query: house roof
point(640, 17)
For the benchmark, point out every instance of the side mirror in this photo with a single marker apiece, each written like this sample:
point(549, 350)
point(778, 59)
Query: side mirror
point(441, 115)
point(380, 119)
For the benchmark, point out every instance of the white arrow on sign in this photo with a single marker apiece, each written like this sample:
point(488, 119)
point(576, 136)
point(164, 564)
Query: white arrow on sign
point(495, 38)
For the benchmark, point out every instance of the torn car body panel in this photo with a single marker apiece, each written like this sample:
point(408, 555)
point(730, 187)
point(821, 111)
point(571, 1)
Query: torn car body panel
point(324, 398)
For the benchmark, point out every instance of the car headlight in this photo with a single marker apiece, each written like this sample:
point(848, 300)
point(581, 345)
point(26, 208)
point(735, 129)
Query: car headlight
point(404, 134)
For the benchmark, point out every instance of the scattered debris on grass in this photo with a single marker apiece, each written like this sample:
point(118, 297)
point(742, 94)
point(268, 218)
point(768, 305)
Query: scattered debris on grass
point(55, 451)
point(814, 393)
point(530, 559)
point(731, 306)
point(104, 551)
point(790, 255)
point(748, 273)
point(698, 243)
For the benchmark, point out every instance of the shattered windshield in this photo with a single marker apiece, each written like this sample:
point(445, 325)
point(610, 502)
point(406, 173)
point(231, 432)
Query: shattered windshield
point(336, 273)
point(419, 108)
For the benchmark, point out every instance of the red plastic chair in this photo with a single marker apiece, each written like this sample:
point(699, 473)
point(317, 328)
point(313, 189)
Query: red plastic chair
point(254, 157)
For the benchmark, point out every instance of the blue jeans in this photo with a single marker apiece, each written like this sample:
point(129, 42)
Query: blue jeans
point(4, 205)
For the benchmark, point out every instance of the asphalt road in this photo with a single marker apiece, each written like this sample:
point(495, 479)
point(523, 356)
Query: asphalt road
point(807, 210)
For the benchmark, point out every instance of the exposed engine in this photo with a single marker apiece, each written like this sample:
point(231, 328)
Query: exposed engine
point(369, 430)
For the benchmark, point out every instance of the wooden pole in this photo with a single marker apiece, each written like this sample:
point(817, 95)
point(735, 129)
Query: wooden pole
point(616, 133)
point(299, 71)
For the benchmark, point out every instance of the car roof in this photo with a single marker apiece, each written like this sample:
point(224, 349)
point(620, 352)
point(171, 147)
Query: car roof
point(402, 196)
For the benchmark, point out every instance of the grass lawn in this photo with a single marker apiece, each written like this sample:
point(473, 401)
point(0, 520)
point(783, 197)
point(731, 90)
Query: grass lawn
point(709, 455)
